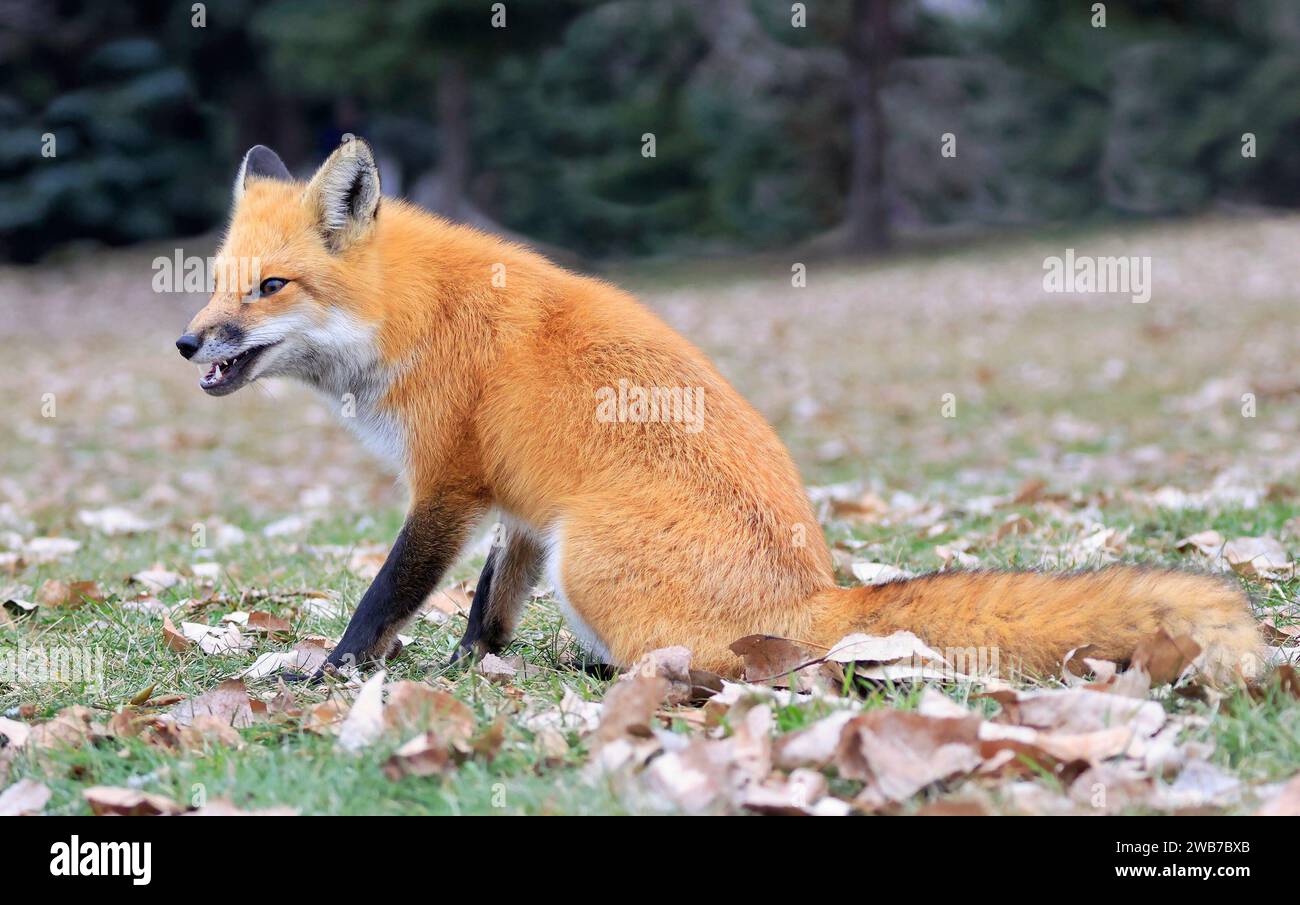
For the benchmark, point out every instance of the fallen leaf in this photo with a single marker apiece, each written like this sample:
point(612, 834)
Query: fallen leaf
point(802, 793)
point(157, 579)
point(228, 703)
point(365, 720)
point(174, 637)
point(1262, 557)
point(54, 593)
point(416, 706)
point(1200, 784)
point(305, 658)
point(896, 753)
point(629, 707)
point(573, 713)
point(1164, 658)
point(265, 623)
point(24, 798)
point(114, 800)
point(114, 520)
point(769, 659)
point(888, 649)
point(13, 734)
point(494, 669)
point(424, 755)
point(1209, 543)
point(878, 573)
point(1285, 804)
point(16, 608)
point(71, 727)
point(216, 640)
point(1012, 526)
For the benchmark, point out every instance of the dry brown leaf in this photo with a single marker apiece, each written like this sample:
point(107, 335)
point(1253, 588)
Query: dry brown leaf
point(954, 807)
point(1030, 492)
point(326, 717)
point(71, 727)
point(69, 595)
point(868, 508)
point(709, 772)
point(802, 793)
point(1286, 803)
point(228, 703)
point(1262, 557)
point(305, 658)
point(813, 746)
point(629, 707)
point(263, 622)
point(1075, 710)
point(157, 579)
point(417, 707)
point(1014, 525)
point(425, 755)
point(1208, 543)
point(878, 572)
point(13, 734)
point(896, 753)
point(365, 720)
point(114, 800)
point(1164, 658)
point(26, 797)
point(769, 659)
point(1091, 747)
point(1112, 787)
point(496, 670)
point(887, 649)
point(175, 639)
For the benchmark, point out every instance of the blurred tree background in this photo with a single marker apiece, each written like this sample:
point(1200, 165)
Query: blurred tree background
point(817, 123)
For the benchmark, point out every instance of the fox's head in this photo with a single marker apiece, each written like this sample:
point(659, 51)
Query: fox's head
point(289, 273)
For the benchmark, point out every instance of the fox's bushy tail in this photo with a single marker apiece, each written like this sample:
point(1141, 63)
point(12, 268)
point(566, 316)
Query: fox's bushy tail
point(1031, 620)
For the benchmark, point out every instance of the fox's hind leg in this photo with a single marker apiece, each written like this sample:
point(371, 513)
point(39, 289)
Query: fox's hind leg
point(508, 575)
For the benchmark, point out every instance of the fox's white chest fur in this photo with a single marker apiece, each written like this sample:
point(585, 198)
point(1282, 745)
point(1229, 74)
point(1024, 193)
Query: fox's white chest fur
point(353, 379)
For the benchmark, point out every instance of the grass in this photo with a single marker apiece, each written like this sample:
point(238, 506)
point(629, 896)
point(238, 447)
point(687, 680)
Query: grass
point(1107, 402)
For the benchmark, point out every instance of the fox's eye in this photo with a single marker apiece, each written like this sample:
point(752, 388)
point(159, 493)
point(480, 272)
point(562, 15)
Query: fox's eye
point(272, 285)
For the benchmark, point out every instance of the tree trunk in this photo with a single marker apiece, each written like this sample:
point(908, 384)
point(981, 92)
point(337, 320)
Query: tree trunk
point(870, 48)
point(453, 137)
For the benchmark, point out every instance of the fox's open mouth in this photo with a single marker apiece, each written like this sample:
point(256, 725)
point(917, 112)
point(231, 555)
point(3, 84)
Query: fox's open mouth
point(229, 374)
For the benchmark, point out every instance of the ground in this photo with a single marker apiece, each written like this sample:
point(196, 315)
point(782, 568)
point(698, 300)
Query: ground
point(930, 387)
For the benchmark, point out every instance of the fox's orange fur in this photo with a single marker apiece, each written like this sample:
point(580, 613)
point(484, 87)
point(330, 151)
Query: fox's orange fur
point(654, 533)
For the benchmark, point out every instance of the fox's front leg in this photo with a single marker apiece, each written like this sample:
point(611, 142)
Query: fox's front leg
point(434, 532)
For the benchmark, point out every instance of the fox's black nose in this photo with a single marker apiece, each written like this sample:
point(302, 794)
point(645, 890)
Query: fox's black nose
point(188, 345)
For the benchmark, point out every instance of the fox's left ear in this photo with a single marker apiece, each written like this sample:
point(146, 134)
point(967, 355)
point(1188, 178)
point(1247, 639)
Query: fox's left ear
point(260, 163)
point(344, 194)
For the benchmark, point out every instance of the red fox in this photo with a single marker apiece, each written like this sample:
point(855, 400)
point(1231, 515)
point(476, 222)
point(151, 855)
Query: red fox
point(660, 506)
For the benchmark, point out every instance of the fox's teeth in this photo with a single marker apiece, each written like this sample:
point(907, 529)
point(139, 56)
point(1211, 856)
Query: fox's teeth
point(217, 372)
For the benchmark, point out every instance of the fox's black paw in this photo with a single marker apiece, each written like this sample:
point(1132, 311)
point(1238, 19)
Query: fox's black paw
point(302, 678)
point(461, 656)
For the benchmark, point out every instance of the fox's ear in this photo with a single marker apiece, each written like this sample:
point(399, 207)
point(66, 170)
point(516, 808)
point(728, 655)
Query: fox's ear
point(260, 163)
point(344, 194)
